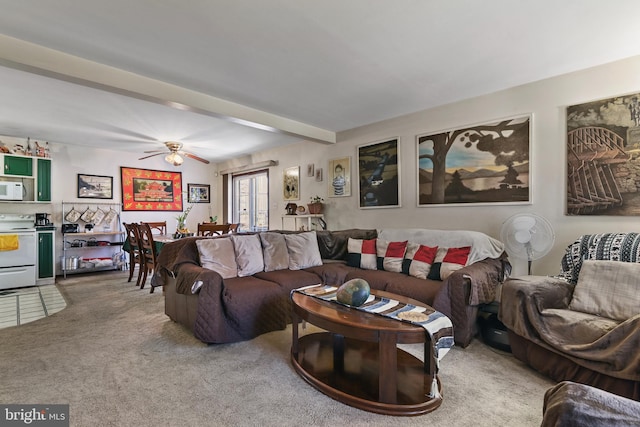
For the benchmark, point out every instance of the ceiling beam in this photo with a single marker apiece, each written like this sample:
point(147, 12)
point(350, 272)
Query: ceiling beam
point(250, 167)
point(32, 58)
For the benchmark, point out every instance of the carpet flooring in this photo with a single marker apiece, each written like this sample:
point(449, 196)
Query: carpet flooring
point(117, 360)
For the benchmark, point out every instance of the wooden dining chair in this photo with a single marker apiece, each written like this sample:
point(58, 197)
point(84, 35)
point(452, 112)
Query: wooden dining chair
point(133, 239)
point(147, 252)
point(211, 229)
point(233, 228)
point(159, 226)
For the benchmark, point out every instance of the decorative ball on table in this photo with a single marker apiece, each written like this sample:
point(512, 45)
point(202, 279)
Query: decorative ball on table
point(354, 292)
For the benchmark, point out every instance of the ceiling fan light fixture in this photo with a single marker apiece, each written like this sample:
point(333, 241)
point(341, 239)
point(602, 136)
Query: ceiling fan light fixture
point(174, 158)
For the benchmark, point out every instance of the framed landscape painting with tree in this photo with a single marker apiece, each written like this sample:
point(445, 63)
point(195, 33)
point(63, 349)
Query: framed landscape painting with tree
point(479, 164)
point(378, 173)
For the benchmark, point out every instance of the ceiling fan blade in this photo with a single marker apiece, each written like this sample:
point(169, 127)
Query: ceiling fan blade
point(157, 154)
point(156, 151)
point(194, 157)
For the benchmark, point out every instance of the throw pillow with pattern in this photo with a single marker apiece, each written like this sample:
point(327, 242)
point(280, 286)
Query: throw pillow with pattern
point(390, 255)
point(418, 260)
point(362, 253)
point(447, 261)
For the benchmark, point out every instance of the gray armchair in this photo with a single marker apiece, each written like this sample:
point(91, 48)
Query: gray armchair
point(583, 325)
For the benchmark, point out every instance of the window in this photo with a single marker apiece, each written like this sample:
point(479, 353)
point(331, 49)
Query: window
point(250, 196)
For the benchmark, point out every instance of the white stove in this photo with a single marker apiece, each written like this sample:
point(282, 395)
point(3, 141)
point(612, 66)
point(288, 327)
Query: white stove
point(18, 251)
point(12, 222)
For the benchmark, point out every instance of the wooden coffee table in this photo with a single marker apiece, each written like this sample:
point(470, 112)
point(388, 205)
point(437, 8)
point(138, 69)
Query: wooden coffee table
point(356, 361)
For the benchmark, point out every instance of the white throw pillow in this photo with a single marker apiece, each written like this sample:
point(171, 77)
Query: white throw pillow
point(248, 254)
point(218, 255)
point(303, 250)
point(608, 289)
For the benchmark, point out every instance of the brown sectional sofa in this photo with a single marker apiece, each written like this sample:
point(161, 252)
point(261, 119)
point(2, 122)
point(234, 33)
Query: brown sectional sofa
point(239, 308)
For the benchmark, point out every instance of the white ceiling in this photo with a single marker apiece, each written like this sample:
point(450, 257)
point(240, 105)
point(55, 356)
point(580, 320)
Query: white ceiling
point(110, 73)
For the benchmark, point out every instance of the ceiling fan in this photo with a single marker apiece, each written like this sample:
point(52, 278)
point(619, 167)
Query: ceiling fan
point(175, 155)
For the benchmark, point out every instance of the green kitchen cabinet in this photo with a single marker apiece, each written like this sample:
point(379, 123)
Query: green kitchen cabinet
point(14, 165)
point(44, 180)
point(46, 257)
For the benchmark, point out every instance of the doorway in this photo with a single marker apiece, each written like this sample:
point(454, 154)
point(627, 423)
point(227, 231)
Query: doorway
point(250, 201)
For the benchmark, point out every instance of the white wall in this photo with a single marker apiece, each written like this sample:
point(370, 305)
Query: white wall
point(70, 160)
point(546, 100)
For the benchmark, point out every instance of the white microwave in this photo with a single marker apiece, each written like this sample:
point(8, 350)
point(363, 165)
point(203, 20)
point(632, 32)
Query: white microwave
point(11, 190)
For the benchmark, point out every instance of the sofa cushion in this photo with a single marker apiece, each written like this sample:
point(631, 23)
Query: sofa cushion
point(332, 273)
point(248, 250)
point(289, 279)
point(447, 261)
point(577, 327)
point(418, 260)
point(254, 306)
point(608, 289)
point(377, 279)
point(390, 255)
point(424, 290)
point(274, 251)
point(303, 250)
point(218, 255)
point(362, 253)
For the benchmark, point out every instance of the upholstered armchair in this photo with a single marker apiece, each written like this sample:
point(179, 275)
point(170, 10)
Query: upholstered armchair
point(583, 325)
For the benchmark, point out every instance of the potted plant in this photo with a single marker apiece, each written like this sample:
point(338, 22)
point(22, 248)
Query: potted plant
point(315, 205)
point(181, 226)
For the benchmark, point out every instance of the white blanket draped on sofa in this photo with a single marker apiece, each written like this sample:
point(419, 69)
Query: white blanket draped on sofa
point(482, 246)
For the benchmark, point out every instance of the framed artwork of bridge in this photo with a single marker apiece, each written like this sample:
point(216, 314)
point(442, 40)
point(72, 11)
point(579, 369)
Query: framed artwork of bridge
point(151, 190)
point(602, 173)
point(479, 164)
point(379, 174)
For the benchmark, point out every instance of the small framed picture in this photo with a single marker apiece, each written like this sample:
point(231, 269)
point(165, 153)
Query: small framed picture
point(95, 187)
point(310, 169)
point(291, 183)
point(198, 193)
point(339, 177)
point(319, 174)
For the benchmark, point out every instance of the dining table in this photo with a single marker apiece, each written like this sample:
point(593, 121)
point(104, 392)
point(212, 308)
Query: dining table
point(159, 240)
